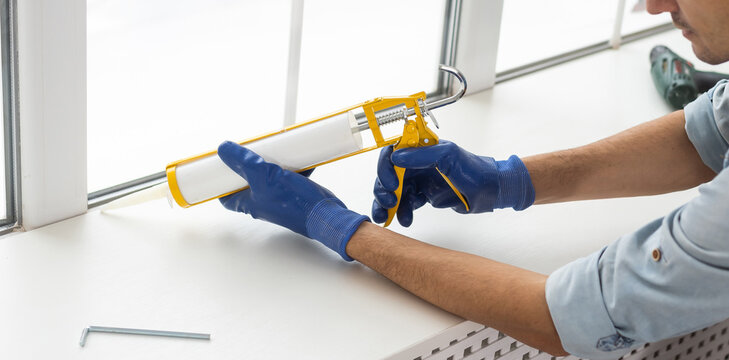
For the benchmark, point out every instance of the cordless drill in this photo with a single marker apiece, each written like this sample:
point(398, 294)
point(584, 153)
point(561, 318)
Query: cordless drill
point(676, 79)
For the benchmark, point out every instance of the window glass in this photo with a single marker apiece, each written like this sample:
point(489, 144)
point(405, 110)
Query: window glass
point(356, 51)
point(532, 30)
point(168, 79)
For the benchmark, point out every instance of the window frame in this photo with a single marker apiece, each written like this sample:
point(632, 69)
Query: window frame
point(9, 90)
point(51, 110)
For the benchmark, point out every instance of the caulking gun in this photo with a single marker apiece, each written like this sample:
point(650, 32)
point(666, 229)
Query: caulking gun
point(205, 177)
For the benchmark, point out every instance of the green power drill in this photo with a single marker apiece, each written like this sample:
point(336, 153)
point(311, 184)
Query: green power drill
point(676, 79)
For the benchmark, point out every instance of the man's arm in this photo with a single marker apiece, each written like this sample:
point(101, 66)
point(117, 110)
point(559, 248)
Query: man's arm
point(652, 158)
point(469, 286)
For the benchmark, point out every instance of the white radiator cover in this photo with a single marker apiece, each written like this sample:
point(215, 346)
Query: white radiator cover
point(472, 341)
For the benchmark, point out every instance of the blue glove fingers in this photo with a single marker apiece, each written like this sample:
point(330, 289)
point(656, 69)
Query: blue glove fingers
point(386, 172)
point(246, 163)
point(236, 201)
point(424, 157)
point(417, 201)
point(384, 197)
point(411, 200)
point(379, 214)
point(437, 192)
point(405, 211)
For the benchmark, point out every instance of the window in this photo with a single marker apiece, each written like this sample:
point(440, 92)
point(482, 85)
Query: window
point(356, 51)
point(533, 30)
point(636, 18)
point(168, 79)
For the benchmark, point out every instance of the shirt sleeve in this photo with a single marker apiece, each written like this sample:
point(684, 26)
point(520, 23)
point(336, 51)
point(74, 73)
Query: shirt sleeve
point(668, 278)
point(707, 125)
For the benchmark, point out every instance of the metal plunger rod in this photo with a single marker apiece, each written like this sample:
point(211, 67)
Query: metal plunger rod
point(401, 112)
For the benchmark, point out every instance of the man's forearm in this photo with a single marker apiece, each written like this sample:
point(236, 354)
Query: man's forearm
point(652, 158)
point(501, 296)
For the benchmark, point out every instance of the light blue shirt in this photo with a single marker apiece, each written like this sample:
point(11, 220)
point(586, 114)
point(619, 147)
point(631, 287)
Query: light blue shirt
point(668, 278)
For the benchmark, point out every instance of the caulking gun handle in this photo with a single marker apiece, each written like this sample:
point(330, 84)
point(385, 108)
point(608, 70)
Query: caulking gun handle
point(398, 193)
point(455, 190)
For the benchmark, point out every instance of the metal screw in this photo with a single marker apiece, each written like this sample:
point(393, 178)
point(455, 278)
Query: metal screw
point(114, 330)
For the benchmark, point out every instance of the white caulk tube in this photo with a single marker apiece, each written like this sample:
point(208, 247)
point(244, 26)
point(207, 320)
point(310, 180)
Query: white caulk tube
point(206, 177)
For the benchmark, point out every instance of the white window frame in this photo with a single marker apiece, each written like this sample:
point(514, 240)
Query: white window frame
point(51, 47)
point(52, 97)
point(473, 41)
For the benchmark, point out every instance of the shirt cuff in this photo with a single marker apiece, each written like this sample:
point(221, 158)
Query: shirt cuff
point(579, 314)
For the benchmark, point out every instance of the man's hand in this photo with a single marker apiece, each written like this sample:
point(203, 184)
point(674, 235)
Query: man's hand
point(288, 199)
point(485, 183)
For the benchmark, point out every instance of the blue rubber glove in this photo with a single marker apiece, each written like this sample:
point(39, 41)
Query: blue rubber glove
point(289, 199)
point(485, 183)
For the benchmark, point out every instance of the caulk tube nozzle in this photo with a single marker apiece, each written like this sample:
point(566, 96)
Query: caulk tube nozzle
point(159, 191)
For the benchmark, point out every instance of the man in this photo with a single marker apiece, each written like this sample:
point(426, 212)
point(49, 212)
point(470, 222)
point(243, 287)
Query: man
point(667, 278)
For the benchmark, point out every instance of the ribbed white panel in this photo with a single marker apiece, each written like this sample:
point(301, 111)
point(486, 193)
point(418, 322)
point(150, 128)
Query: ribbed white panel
point(472, 341)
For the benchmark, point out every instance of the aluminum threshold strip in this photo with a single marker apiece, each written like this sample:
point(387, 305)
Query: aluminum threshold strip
point(9, 228)
point(576, 54)
point(104, 196)
point(12, 218)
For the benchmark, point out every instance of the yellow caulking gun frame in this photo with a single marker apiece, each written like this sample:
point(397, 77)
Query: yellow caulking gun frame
point(377, 112)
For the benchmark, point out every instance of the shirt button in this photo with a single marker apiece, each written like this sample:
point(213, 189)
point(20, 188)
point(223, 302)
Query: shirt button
point(656, 255)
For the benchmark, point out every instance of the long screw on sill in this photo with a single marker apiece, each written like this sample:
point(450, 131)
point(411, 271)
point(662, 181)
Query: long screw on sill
point(114, 330)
